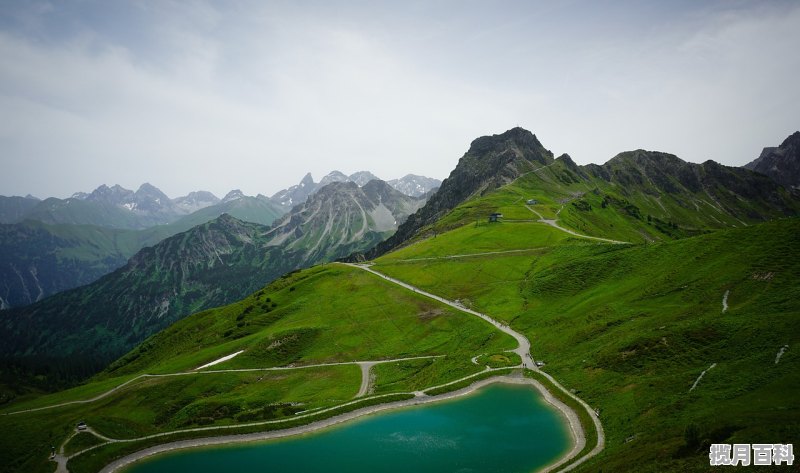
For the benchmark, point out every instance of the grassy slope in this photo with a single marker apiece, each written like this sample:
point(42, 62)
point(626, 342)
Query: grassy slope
point(329, 313)
point(631, 328)
point(595, 207)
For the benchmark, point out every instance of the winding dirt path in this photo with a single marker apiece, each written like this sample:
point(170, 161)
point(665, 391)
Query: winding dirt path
point(469, 255)
point(195, 372)
point(524, 346)
point(575, 428)
point(554, 224)
point(523, 350)
point(366, 366)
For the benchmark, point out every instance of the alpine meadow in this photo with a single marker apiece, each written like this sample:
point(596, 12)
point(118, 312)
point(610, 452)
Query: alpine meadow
point(429, 237)
point(653, 293)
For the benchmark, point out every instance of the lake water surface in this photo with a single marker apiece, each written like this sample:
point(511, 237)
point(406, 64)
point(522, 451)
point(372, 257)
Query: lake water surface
point(499, 428)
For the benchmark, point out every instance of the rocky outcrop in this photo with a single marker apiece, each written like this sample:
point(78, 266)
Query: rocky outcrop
point(490, 162)
point(781, 164)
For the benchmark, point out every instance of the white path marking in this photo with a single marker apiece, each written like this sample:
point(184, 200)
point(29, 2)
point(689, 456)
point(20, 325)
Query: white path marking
point(780, 353)
point(216, 362)
point(701, 377)
point(725, 301)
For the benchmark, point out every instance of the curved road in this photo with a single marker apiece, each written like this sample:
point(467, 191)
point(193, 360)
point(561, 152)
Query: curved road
point(523, 350)
point(554, 224)
point(238, 370)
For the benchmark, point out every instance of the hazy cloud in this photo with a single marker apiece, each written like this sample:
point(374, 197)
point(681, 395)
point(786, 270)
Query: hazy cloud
point(205, 95)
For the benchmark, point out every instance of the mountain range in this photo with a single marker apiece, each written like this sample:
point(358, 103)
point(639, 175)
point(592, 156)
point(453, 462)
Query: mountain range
point(39, 259)
point(652, 293)
point(211, 264)
point(410, 184)
point(117, 207)
point(54, 245)
point(641, 186)
point(651, 195)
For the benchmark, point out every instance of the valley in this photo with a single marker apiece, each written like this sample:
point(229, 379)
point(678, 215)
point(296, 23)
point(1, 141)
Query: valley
point(645, 311)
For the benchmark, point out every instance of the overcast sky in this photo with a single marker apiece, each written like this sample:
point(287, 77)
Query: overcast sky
point(252, 95)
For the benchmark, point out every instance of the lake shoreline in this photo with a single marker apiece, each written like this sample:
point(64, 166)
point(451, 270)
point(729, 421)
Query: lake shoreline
point(578, 439)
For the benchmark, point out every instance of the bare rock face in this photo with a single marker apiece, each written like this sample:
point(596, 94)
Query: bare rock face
point(782, 164)
point(491, 162)
point(414, 185)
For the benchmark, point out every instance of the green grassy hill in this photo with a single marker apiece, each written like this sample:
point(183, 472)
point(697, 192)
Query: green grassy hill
point(209, 265)
point(622, 210)
point(327, 314)
point(631, 327)
point(681, 333)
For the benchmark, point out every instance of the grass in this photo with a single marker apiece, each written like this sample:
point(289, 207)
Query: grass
point(587, 424)
point(327, 314)
point(630, 328)
point(416, 375)
point(468, 382)
point(96, 459)
point(500, 360)
point(330, 313)
point(595, 207)
point(81, 441)
point(481, 237)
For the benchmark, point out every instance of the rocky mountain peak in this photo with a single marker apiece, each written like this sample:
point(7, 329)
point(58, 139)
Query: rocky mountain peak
point(307, 180)
point(147, 187)
point(112, 195)
point(514, 138)
point(782, 163)
point(235, 194)
point(414, 185)
point(362, 177)
point(333, 176)
point(491, 162)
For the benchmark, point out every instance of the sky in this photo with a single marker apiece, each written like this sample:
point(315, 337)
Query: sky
point(254, 94)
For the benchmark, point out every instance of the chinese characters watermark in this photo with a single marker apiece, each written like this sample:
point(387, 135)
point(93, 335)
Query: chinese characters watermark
point(745, 454)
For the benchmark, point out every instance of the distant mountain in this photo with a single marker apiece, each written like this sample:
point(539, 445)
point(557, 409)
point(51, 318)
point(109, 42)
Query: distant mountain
point(342, 215)
point(117, 207)
point(782, 164)
point(148, 202)
point(410, 185)
point(13, 209)
point(195, 201)
point(259, 209)
point(333, 176)
point(235, 194)
point(209, 265)
point(297, 194)
point(414, 185)
point(85, 212)
point(363, 177)
point(38, 259)
point(113, 207)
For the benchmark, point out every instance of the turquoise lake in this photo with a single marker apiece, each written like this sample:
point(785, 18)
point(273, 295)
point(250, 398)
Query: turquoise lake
point(499, 428)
